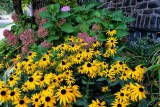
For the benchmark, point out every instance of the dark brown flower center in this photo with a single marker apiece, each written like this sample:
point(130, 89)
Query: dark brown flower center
point(42, 78)
point(112, 41)
point(119, 105)
point(44, 59)
point(30, 79)
point(63, 91)
point(3, 93)
point(124, 74)
point(120, 63)
point(141, 89)
point(63, 63)
point(12, 93)
point(47, 99)
point(87, 50)
point(21, 102)
point(36, 100)
point(122, 94)
point(89, 65)
point(10, 78)
point(30, 54)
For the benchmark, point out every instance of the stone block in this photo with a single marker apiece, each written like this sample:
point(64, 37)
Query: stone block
point(141, 6)
point(147, 22)
point(154, 4)
point(148, 11)
point(153, 22)
point(142, 21)
point(138, 21)
point(133, 2)
point(126, 2)
point(157, 11)
point(158, 23)
point(128, 9)
point(139, 0)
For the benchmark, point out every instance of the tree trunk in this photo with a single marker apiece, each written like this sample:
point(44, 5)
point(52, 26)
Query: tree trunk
point(17, 7)
point(37, 4)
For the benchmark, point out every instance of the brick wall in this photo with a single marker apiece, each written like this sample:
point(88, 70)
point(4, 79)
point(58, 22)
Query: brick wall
point(146, 13)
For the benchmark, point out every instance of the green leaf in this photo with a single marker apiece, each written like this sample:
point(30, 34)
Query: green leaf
point(84, 27)
point(129, 19)
point(101, 79)
point(95, 20)
point(64, 15)
point(105, 12)
point(13, 27)
point(67, 27)
point(117, 18)
point(105, 24)
point(121, 26)
point(101, 37)
point(79, 19)
point(47, 25)
point(119, 58)
point(97, 14)
point(57, 8)
point(51, 38)
point(92, 33)
point(121, 33)
point(90, 6)
point(44, 14)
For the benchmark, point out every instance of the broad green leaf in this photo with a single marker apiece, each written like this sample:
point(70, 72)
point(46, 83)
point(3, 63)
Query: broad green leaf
point(92, 33)
point(51, 38)
point(116, 18)
point(44, 14)
point(57, 8)
point(101, 37)
point(101, 79)
point(105, 12)
point(96, 20)
point(97, 14)
point(121, 26)
point(105, 24)
point(47, 25)
point(64, 15)
point(90, 6)
point(67, 27)
point(119, 58)
point(121, 33)
point(129, 19)
point(84, 27)
point(79, 19)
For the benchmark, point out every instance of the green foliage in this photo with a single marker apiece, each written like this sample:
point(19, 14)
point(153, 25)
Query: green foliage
point(6, 5)
point(71, 3)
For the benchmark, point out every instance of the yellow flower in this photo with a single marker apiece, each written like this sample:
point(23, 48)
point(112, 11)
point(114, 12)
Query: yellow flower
point(13, 80)
point(111, 50)
point(31, 55)
point(111, 41)
point(64, 96)
point(122, 96)
point(4, 94)
point(48, 100)
point(70, 81)
point(14, 94)
point(64, 65)
point(137, 92)
point(118, 103)
point(1, 65)
point(105, 89)
point(89, 67)
point(111, 32)
point(22, 102)
point(44, 62)
point(36, 101)
point(97, 103)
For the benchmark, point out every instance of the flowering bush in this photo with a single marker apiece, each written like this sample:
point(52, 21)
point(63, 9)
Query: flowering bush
point(75, 61)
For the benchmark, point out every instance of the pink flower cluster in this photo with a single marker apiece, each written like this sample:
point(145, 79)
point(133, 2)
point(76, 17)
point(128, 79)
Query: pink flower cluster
point(27, 37)
point(24, 49)
point(15, 17)
point(11, 38)
point(86, 38)
point(42, 32)
point(45, 44)
point(39, 20)
point(65, 8)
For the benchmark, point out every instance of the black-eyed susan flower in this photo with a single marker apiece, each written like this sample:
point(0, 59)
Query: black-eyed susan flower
point(137, 92)
point(97, 103)
point(70, 81)
point(1, 65)
point(33, 81)
point(4, 94)
point(89, 67)
point(96, 44)
point(25, 87)
point(105, 89)
point(36, 100)
point(13, 80)
point(111, 32)
point(112, 50)
point(64, 65)
point(22, 102)
point(122, 96)
point(44, 62)
point(118, 103)
point(14, 94)
point(64, 95)
point(48, 100)
point(31, 55)
point(111, 41)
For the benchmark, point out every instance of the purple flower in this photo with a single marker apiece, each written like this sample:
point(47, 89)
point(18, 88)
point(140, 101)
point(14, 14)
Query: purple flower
point(42, 32)
point(45, 44)
point(65, 8)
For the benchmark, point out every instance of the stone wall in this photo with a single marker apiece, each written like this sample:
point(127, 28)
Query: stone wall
point(146, 13)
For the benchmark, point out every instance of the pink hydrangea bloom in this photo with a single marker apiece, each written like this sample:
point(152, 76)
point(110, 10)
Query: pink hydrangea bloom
point(27, 37)
point(15, 17)
point(45, 44)
point(86, 38)
point(24, 49)
point(42, 32)
point(6, 33)
point(65, 8)
point(12, 40)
